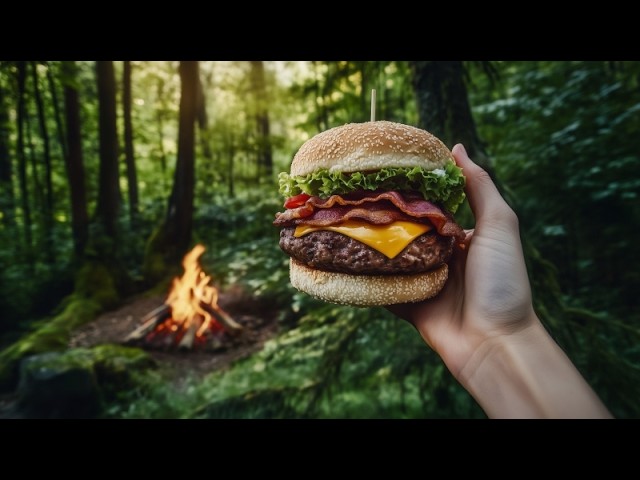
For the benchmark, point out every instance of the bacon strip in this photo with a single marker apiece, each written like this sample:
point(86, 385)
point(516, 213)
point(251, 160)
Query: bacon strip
point(378, 208)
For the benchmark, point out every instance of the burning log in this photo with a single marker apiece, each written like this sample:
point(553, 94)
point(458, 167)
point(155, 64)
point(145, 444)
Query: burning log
point(149, 322)
point(230, 325)
point(188, 338)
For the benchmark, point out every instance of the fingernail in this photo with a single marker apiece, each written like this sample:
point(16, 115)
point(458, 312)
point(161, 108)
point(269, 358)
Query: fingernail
point(459, 146)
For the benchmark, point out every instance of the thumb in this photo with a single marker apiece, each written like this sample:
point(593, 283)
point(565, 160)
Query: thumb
point(484, 198)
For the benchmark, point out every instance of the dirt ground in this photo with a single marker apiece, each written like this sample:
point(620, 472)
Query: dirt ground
point(257, 319)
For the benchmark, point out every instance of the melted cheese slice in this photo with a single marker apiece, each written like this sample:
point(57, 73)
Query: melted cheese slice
point(389, 239)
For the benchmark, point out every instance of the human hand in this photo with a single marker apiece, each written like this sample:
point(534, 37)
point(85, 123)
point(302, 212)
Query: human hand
point(488, 292)
point(483, 325)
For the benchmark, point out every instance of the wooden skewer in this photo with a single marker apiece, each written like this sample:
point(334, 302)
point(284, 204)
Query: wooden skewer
point(373, 104)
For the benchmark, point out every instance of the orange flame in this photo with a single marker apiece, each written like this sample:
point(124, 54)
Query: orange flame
point(188, 292)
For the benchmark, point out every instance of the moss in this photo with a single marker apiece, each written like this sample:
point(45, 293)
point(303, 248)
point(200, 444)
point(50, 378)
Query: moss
point(52, 335)
point(160, 261)
point(154, 267)
point(81, 358)
point(97, 284)
point(94, 280)
point(117, 358)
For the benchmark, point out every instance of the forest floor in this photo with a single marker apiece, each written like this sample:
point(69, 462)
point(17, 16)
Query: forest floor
point(112, 327)
point(258, 320)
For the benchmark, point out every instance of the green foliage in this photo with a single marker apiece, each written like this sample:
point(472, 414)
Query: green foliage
point(337, 92)
point(242, 244)
point(95, 281)
point(564, 136)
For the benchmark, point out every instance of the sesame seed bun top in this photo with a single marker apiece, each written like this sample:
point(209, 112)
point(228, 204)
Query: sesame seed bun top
point(370, 146)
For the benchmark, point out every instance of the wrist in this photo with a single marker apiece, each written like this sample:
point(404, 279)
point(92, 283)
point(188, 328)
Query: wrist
point(525, 374)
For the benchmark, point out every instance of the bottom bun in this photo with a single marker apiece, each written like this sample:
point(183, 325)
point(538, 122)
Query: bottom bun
point(366, 290)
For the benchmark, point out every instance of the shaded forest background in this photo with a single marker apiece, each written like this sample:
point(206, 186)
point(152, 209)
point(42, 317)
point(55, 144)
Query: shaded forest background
point(111, 171)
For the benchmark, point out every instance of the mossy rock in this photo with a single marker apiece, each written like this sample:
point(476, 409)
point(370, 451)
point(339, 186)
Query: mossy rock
point(77, 383)
point(95, 291)
point(49, 335)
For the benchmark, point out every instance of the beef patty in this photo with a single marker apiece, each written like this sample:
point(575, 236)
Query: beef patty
point(335, 252)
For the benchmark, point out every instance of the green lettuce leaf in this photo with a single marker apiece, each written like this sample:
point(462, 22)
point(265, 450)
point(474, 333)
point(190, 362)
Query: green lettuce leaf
point(443, 186)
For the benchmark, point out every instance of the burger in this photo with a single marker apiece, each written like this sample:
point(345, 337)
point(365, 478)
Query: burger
point(368, 214)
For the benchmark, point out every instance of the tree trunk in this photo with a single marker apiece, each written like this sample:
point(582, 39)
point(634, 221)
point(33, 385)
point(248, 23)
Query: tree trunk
point(103, 249)
point(443, 106)
point(171, 240)
point(74, 162)
point(22, 161)
point(265, 154)
point(201, 107)
point(38, 201)
point(179, 218)
point(48, 183)
point(7, 199)
point(132, 178)
point(56, 112)
point(108, 206)
point(160, 126)
point(203, 123)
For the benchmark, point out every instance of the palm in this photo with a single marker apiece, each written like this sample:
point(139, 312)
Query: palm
point(440, 320)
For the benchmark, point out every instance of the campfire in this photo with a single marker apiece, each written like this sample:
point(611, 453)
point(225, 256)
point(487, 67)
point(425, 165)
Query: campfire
point(190, 317)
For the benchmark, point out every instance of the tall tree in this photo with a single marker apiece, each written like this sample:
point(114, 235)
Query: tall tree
point(57, 115)
point(47, 214)
point(171, 240)
point(443, 106)
point(109, 198)
point(21, 68)
point(258, 83)
point(132, 177)
point(36, 186)
point(7, 205)
point(160, 127)
point(74, 161)
point(179, 218)
point(203, 119)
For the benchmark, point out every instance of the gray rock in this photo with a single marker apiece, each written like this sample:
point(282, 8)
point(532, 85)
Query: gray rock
point(55, 385)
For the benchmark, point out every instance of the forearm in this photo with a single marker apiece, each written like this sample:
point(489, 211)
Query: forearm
point(527, 375)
